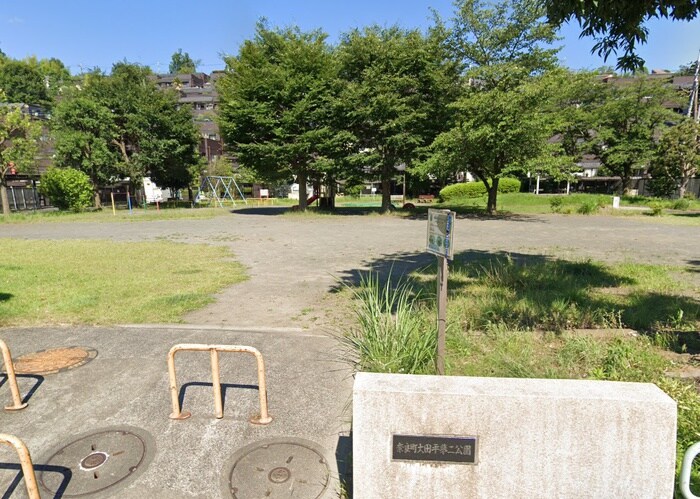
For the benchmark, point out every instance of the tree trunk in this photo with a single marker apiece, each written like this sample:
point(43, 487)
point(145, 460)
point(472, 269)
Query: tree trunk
point(683, 186)
point(303, 196)
point(5, 200)
point(386, 195)
point(98, 201)
point(493, 194)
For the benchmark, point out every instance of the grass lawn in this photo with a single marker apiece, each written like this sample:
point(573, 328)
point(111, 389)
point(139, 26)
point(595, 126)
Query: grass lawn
point(107, 282)
point(106, 215)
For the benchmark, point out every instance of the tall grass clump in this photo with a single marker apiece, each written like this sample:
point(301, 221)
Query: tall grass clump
point(393, 333)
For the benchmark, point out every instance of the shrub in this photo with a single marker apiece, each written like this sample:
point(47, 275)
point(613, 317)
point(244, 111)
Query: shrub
point(555, 204)
point(455, 192)
point(681, 204)
point(588, 208)
point(656, 208)
point(68, 189)
point(354, 190)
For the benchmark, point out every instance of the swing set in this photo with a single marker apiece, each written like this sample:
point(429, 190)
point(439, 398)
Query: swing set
point(219, 190)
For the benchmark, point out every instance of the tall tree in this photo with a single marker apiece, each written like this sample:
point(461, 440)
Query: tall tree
point(619, 25)
point(500, 125)
point(677, 157)
point(626, 124)
point(123, 123)
point(84, 131)
point(18, 146)
point(182, 63)
point(23, 83)
point(274, 105)
point(389, 96)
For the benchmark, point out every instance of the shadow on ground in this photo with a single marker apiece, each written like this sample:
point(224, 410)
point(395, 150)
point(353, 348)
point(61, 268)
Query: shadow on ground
point(39, 469)
point(38, 380)
point(518, 291)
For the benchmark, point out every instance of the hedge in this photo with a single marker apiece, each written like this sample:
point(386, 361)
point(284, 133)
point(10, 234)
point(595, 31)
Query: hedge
point(476, 189)
point(68, 189)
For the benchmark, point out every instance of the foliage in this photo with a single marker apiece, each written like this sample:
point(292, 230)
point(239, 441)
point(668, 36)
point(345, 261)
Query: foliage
point(588, 208)
point(146, 134)
point(67, 188)
point(626, 123)
point(455, 192)
point(84, 131)
point(54, 74)
point(677, 156)
point(397, 85)
point(182, 63)
point(276, 102)
point(556, 204)
point(501, 126)
point(18, 145)
point(392, 334)
point(656, 208)
point(619, 25)
point(23, 83)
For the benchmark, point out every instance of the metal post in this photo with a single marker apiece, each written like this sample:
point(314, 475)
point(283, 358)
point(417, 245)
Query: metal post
point(11, 379)
point(25, 460)
point(442, 313)
point(14, 200)
point(216, 383)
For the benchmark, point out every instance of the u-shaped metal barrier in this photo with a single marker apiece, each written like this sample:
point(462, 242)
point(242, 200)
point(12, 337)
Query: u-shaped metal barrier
point(214, 350)
point(686, 467)
point(25, 460)
point(11, 379)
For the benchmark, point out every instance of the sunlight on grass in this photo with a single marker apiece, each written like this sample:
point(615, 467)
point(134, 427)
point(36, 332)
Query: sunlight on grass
point(106, 215)
point(106, 282)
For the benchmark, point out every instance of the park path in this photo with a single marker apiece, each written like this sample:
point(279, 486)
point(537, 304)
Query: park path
point(295, 261)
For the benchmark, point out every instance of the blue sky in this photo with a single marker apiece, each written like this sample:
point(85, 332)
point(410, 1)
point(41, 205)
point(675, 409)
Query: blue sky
point(90, 33)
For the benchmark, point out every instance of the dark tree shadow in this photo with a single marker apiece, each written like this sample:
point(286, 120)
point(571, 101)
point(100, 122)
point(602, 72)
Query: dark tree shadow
point(5, 296)
point(37, 378)
point(694, 265)
point(39, 470)
point(537, 291)
point(224, 388)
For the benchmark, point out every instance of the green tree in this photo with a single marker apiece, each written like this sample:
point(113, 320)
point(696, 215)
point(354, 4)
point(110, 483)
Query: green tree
point(677, 156)
point(55, 74)
point(274, 105)
point(619, 25)
point(687, 69)
point(391, 103)
point(23, 83)
point(84, 131)
point(139, 129)
point(182, 63)
point(18, 146)
point(626, 123)
point(501, 126)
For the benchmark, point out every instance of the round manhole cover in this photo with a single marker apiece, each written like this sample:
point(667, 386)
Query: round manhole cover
point(97, 461)
point(278, 469)
point(54, 360)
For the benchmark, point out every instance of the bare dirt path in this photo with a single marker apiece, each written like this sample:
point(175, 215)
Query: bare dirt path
point(294, 262)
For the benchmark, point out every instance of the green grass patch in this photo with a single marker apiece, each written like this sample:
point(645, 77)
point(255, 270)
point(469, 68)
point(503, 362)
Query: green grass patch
point(106, 215)
point(107, 282)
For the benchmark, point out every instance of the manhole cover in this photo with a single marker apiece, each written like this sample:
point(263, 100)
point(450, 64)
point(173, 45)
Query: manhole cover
point(97, 461)
point(278, 469)
point(54, 360)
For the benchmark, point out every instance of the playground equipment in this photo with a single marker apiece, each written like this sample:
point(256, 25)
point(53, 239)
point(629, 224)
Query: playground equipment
point(214, 350)
point(25, 460)
point(219, 190)
point(11, 379)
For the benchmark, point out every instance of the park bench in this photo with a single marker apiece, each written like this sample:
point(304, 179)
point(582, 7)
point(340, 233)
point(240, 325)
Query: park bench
point(425, 198)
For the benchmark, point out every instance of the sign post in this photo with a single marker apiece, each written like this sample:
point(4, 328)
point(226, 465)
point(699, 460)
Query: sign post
point(440, 243)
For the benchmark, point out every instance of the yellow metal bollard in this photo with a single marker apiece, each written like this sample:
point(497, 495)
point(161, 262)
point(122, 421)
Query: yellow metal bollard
point(11, 379)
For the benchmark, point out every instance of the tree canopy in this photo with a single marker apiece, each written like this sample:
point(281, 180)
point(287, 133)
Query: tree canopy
point(619, 26)
point(276, 99)
point(23, 83)
point(182, 63)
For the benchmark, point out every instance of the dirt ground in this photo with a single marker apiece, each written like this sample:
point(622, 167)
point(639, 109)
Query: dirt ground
point(295, 262)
